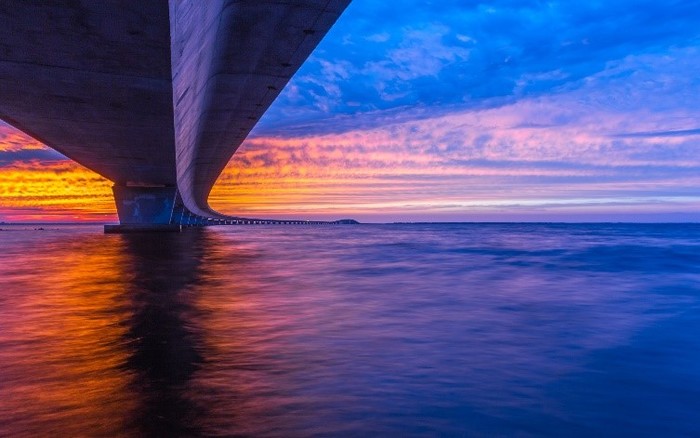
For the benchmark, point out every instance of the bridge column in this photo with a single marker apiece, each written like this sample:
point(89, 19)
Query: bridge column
point(144, 209)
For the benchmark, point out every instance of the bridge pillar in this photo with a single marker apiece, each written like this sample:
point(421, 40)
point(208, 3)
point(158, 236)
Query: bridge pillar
point(144, 209)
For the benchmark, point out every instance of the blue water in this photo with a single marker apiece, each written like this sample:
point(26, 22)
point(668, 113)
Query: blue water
point(368, 330)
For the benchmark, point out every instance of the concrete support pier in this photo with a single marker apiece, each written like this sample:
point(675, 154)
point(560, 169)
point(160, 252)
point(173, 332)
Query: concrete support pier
point(144, 209)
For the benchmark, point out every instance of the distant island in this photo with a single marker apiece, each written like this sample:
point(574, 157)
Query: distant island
point(346, 221)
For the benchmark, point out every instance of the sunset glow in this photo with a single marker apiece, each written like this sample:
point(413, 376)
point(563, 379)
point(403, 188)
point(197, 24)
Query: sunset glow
point(448, 113)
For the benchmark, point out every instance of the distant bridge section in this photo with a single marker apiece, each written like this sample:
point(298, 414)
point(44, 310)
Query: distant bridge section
point(154, 95)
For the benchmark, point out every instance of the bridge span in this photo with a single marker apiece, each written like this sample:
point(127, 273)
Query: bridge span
point(154, 95)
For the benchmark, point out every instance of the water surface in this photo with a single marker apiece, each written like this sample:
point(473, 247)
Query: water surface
point(369, 330)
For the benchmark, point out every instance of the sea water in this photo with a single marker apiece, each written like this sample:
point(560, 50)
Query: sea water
point(351, 330)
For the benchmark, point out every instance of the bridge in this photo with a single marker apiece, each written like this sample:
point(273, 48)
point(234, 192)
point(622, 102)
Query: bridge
point(154, 95)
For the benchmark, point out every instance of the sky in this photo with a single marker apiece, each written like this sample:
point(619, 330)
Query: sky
point(499, 110)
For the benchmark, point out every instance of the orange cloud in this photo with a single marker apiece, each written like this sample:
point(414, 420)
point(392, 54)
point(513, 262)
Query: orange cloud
point(55, 191)
point(50, 189)
point(12, 140)
point(528, 155)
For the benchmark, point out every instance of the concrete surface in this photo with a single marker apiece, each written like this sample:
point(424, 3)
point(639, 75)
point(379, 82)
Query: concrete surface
point(145, 205)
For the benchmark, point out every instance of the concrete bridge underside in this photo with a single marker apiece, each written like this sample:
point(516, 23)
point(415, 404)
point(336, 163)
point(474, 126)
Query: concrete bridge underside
point(154, 95)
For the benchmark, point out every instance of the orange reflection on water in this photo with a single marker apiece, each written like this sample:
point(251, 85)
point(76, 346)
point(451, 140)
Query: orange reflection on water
point(98, 334)
point(62, 340)
point(151, 334)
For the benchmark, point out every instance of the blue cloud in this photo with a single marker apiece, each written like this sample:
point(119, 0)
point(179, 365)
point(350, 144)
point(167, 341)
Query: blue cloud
point(652, 134)
point(383, 56)
point(23, 155)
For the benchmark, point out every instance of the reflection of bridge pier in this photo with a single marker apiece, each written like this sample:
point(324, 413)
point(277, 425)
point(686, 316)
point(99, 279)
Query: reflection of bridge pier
point(155, 95)
point(164, 349)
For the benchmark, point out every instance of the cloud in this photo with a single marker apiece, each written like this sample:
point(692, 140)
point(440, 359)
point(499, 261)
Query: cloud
point(679, 133)
point(474, 54)
point(57, 190)
point(379, 37)
point(566, 150)
point(12, 140)
point(9, 157)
